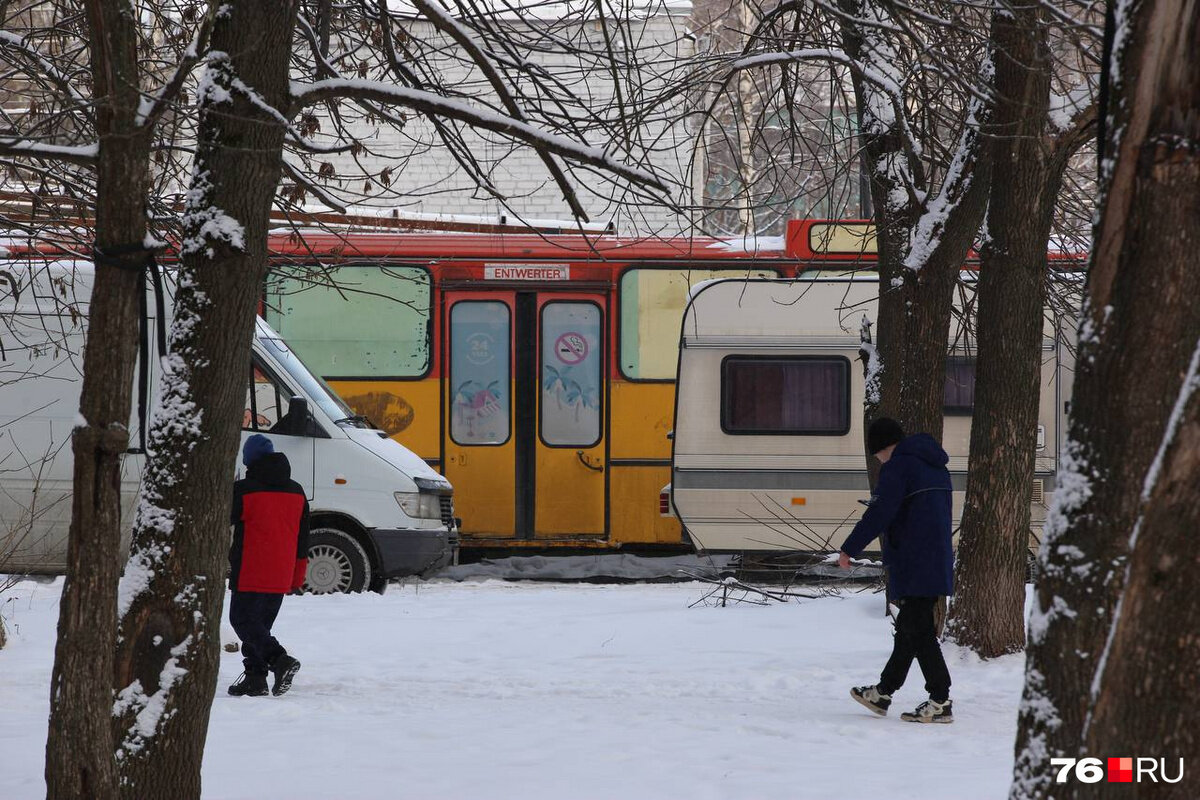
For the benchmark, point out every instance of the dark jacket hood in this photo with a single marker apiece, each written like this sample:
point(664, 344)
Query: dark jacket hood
point(272, 469)
point(924, 447)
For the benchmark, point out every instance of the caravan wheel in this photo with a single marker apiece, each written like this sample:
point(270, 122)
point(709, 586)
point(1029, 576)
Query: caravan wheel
point(336, 563)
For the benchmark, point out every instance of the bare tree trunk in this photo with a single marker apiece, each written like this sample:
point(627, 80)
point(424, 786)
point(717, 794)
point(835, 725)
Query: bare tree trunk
point(1148, 666)
point(1133, 403)
point(181, 536)
point(79, 751)
point(916, 285)
point(1153, 649)
point(989, 602)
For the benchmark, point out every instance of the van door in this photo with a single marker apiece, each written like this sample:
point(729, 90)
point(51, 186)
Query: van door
point(525, 412)
point(267, 399)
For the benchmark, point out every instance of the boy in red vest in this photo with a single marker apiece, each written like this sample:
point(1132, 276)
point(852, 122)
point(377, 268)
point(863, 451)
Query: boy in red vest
point(268, 559)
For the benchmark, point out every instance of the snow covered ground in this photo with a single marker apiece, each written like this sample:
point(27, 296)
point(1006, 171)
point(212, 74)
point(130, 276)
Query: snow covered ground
point(491, 689)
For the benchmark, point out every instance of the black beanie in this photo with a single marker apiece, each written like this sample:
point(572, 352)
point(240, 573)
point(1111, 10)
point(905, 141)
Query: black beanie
point(884, 432)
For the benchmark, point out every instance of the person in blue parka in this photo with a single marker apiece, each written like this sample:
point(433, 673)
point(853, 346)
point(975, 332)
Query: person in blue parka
point(910, 514)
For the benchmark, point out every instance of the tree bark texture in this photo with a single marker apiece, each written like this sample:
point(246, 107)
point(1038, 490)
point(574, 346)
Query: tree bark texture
point(1153, 649)
point(170, 632)
point(1138, 339)
point(988, 614)
point(79, 747)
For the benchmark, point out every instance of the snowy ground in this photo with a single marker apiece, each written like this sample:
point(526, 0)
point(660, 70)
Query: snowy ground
point(492, 689)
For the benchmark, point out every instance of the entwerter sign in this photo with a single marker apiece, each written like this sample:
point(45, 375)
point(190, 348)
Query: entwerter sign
point(526, 272)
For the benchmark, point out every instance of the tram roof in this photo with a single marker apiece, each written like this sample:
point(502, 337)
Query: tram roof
point(549, 247)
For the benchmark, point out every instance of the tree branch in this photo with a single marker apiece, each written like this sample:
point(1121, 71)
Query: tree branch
point(84, 154)
point(307, 94)
point(448, 25)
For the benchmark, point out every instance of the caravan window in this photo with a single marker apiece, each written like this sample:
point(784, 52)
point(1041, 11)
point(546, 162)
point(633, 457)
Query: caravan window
point(799, 395)
point(959, 397)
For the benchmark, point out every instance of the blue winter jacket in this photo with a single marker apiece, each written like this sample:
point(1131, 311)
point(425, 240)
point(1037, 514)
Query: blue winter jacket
point(910, 513)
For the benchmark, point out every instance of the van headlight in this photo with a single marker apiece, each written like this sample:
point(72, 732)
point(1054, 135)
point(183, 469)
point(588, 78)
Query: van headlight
point(419, 505)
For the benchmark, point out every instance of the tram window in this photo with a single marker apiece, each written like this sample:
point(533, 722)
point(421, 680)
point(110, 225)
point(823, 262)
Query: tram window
point(480, 383)
point(651, 304)
point(798, 396)
point(959, 396)
point(571, 377)
point(355, 321)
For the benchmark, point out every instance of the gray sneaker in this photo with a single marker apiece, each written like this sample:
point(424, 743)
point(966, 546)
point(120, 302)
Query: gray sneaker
point(931, 711)
point(872, 698)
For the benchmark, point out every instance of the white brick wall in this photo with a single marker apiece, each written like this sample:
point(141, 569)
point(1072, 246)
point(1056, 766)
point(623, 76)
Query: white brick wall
point(426, 180)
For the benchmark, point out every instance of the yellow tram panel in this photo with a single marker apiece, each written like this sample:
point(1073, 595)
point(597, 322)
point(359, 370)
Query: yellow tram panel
point(409, 411)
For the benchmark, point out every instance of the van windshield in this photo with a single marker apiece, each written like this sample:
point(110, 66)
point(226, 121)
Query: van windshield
point(310, 384)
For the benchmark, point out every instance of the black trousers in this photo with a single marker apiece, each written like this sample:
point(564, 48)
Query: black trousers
point(252, 614)
point(916, 638)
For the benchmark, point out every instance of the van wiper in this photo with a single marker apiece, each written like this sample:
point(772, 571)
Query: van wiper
point(357, 420)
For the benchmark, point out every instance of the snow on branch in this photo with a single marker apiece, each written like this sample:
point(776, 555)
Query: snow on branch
point(442, 20)
point(307, 94)
point(152, 107)
point(1066, 109)
point(21, 45)
point(939, 210)
point(302, 180)
point(883, 81)
point(873, 376)
point(84, 154)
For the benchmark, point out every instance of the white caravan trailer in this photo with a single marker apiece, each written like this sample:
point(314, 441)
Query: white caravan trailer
point(378, 511)
point(768, 444)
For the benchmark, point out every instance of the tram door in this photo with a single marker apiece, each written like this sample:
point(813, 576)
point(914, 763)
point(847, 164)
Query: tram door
point(525, 412)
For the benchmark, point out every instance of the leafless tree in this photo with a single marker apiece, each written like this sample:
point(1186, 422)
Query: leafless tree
point(1043, 112)
point(920, 110)
point(86, 134)
point(278, 78)
point(248, 106)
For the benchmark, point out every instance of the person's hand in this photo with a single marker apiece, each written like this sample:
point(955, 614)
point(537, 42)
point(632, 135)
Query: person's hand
point(843, 561)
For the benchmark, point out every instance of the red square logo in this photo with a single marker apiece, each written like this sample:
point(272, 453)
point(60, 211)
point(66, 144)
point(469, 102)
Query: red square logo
point(1120, 770)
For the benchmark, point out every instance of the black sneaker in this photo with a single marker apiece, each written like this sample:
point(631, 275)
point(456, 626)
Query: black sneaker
point(872, 698)
point(931, 711)
point(250, 684)
point(284, 669)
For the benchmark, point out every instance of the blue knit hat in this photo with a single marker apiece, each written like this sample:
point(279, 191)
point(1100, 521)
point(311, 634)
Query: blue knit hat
point(255, 448)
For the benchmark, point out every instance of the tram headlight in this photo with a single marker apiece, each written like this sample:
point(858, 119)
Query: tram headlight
point(419, 505)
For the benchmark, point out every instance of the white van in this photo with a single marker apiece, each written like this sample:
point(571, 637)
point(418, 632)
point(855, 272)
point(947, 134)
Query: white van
point(768, 441)
point(378, 511)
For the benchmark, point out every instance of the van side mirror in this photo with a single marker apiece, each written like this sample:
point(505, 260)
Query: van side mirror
point(295, 422)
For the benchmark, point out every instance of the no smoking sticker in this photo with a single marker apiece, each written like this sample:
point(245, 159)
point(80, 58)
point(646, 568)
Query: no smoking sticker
point(571, 348)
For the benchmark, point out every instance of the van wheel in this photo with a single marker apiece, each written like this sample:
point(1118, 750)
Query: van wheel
point(336, 563)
